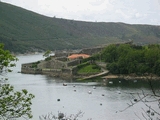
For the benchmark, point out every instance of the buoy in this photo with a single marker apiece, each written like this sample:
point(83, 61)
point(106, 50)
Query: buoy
point(100, 103)
point(60, 115)
point(102, 94)
point(89, 92)
point(64, 84)
point(58, 99)
point(152, 113)
point(135, 100)
point(148, 111)
point(94, 87)
point(110, 82)
point(74, 90)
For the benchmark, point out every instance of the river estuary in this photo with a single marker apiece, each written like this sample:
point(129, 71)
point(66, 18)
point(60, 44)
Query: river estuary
point(105, 102)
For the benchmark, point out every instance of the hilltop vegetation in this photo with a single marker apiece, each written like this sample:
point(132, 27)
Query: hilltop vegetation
point(131, 59)
point(22, 30)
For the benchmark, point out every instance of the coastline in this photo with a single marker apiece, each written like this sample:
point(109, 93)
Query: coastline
point(132, 77)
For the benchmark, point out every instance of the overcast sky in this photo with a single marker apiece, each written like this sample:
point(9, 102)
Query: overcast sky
point(127, 11)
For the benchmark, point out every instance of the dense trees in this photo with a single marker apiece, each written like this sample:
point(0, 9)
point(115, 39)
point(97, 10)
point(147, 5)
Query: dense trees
point(13, 104)
point(127, 59)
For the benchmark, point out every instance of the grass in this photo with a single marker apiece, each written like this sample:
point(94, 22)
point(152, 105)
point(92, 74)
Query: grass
point(89, 69)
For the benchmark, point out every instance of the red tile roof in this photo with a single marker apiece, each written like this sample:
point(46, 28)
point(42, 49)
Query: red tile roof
point(75, 56)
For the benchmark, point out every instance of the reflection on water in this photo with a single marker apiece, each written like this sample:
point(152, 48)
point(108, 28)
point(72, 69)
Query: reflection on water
point(103, 103)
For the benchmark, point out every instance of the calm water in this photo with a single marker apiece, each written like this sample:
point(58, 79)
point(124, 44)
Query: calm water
point(73, 99)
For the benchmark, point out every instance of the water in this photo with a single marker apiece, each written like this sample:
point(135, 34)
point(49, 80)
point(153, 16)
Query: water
point(105, 102)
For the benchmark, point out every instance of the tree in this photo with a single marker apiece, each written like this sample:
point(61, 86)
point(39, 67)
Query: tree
point(109, 54)
point(13, 104)
point(47, 53)
point(130, 59)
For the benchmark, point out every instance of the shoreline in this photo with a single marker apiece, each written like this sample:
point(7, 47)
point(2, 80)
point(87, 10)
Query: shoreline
point(132, 77)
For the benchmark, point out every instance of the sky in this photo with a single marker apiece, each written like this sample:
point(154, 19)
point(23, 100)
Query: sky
point(126, 11)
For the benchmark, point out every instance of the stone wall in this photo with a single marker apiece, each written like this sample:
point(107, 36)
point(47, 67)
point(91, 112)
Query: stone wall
point(52, 64)
point(62, 73)
point(91, 51)
point(63, 59)
point(52, 68)
point(27, 68)
point(73, 62)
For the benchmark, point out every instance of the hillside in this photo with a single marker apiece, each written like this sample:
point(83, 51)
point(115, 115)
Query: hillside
point(22, 30)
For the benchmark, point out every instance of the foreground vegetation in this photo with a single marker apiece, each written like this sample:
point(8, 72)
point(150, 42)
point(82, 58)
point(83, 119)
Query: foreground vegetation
point(131, 59)
point(13, 104)
point(25, 31)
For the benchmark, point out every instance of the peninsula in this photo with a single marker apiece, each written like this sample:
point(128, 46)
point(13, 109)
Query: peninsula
point(63, 64)
point(121, 60)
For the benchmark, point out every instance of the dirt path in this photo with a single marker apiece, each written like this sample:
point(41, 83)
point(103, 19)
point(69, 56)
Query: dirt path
point(96, 75)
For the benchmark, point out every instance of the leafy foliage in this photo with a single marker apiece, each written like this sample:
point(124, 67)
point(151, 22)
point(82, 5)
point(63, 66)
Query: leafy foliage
point(47, 53)
point(127, 59)
point(5, 60)
point(35, 64)
point(12, 104)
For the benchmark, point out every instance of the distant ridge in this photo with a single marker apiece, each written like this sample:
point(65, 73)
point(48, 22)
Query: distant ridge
point(22, 30)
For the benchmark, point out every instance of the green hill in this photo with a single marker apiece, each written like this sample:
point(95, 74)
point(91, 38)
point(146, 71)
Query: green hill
point(22, 30)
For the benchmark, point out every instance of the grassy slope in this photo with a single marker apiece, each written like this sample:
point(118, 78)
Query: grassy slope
point(88, 69)
point(23, 30)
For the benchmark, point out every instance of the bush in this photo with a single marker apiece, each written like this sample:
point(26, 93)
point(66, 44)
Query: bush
point(48, 58)
point(82, 65)
point(34, 65)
